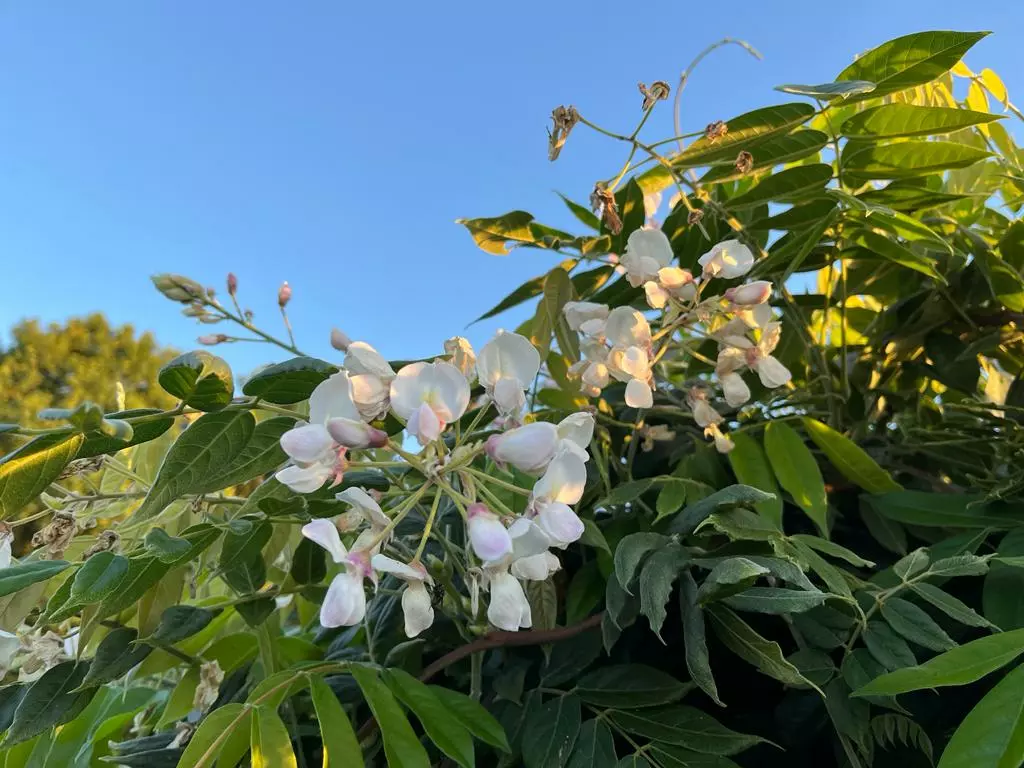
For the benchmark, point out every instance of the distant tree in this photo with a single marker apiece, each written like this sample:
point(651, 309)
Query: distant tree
point(62, 365)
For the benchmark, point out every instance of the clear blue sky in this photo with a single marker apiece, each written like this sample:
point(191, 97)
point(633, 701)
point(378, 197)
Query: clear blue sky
point(333, 144)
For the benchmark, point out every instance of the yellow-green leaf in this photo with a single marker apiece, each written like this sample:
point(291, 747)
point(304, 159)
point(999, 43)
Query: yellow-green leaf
point(850, 459)
point(797, 472)
point(269, 741)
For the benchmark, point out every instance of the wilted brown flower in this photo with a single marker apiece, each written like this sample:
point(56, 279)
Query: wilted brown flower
point(563, 118)
point(210, 678)
point(744, 161)
point(81, 467)
point(43, 651)
point(105, 542)
point(659, 90)
point(655, 433)
point(715, 131)
point(56, 536)
point(694, 216)
point(602, 202)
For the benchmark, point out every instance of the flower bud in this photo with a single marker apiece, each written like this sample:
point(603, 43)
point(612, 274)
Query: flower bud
point(340, 340)
point(212, 338)
point(232, 284)
point(489, 538)
point(559, 523)
point(355, 434)
point(757, 292)
point(529, 448)
point(284, 294)
point(179, 288)
point(462, 356)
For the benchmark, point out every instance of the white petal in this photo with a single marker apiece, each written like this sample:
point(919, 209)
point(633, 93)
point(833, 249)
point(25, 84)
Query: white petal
point(657, 297)
point(529, 448)
point(489, 538)
point(704, 414)
point(362, 358)
point(307, 443)
point(509, 396)
point(5, 551)
point(305, 479)
point(772, 373)
point(577, 429)
point(406, 389)
point(596, 375)
point(627, 328)
point(651, 244)
point(536, 567)
point(370, 394)
point(564, 480)
point(730, 360)
point(509, 609)
point(417, 608)
point(345, 602)
point(424, 425)
point(452, 391)
point(356, 434)
point(638, 394)
point(462, 355)
point(735, 390)
point(757, 292)
point(332, 398)
point(578, 312)
point(402, 570)
point(508, 354)
point(325, 533)
point(674, 278)
point(9, 645)
point(560, 523)
point(366, 506)
point(527, 538)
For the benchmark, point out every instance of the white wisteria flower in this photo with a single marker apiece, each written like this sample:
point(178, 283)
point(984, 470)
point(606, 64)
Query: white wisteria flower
point(488, 536)
point(629, 359)
point(361, 358)
point(529, 448)
point(728, 259)
point(738, 352)
point(563, 481)
point(750, 294)
point(703, 412)
point(506, 368)
point(365, 508)
point(429, 397)
point(416, 604)
point(647, 251)
point(508, 608)
point(723, 443)
point(579, 312)
point(344, 604)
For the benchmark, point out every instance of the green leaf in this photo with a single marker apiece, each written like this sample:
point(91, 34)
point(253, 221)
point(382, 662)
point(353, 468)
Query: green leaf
point(498, 235)
point(751, 467)
point(915, 625)
point(842, 89)
point(594, 537)
point(552, 730)
point(341, 747)
point(584, 593)
point(686, 522)
point(179, 622)
point(888, 648)
point(96, 443)
point(583, 214)
point(199, 379)
point(685, 727)
point(532, 287)
point(115, 656)
point(729, 577)
point(670, 498)
point(797, 217)
point(694, 641)
point(1003, 592)
point(211, 443)
point(473, 717)
point(782, 149)
point(891, 121)
point(764, 654)
point(401, 746)
point(262, 453)
point(29, 470)
point(785, 186)
point(890, 250)
point(549, 320)
point(595, 747)
point(51, 700)
point(269, 742)
point(813, 664)
point(1005, 281)
point(215, 729)
point(915, 157)
point(570, 657)
point(851, 461)
point(961, 665)
point(951, 606)
point(241, 561)
point(543, 599)
point(289, 382)
point(901, 225)
point(632, 551)
point(669, 756)
point(775, 600)
point(909, 61)
point(309, 563)
point(445, 730)
point(166, 547)
point(797, 472)
point(992, 734)
point(656, 579)
point(831, 548)
point(21, 575)
point(941, 510)
point(629, 686)
point(143, 573)
point(959, 565)
point(911, 564)
point(99, 577)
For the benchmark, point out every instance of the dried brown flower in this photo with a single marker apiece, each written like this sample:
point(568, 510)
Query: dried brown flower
point(602, 202)
point(658, 91)
point(715, 131)
point(694, 217)
point(564, 119)
point(57, 535)
point(107, 541)
point(744, 162)
point(210, 678)
point(81, 467)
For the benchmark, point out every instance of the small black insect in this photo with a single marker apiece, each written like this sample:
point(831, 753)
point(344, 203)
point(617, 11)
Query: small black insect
point(436, 594)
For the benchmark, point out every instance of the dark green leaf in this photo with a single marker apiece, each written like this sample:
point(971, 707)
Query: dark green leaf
point(797, 217)
point(890, 250)
point(309, 563)
point(656, 579)
point(115, 656)
point(400, 743)
point(764, 654)
point(29, 470)
point(595, 747)
point(584, 593)
point(552, 730)
point(992, 734)
point(686, 522)
point(629, 686)
point(831, 548)
point(99, 577)
point(51, 700)
point(143, 573)
point(96, 443)
point(341, 747)
point(915, 625)
point(632, 551)
point(289, 382)
point(473, 716)
point(166, 547)
point(241, 560)
point(270, 743)
point(685, 727)
point(443, 728)
point(797, 472)
point(728, 577)
point(775, 600)
point(570, 657)
point(581, 213)
point(670, 756)
point(782, 149)
point(1003, 593)
point(841, 89)
point(21, 575)
point(949, 605)
point(199, 379)
point(751, 467)
point(814, 665)
point(179, 622)
point(942, 510)
point(888, 648)
point(215, 729)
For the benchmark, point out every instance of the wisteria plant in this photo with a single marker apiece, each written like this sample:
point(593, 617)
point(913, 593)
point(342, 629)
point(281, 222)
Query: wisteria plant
point(744, 488)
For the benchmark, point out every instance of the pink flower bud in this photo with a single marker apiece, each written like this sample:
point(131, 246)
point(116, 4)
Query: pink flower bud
point(529, 448)
point(284, 294)
point(355, 434)
point(757, 292)
point(489, 538)
point(212, 338)
point(340, 340)
point(232, 283)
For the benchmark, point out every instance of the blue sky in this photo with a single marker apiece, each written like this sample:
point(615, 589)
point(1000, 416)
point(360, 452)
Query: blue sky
point(333, 144)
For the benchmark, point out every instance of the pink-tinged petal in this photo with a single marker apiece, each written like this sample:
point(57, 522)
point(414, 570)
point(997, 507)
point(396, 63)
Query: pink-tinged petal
point(371, 395)
point(560, 523)
point(564, 480)
point(772, 373)
point(509, 396)
point(508, 609)
point(307, 443)
point(417, 608)
point(451, 392)
point(528, 539)
point(305, 479)
point(325, 533)
point(638, 394)
point(333, 399)
point(345, 602)
point(529, 448)
point(406, 390)
point(366, 506)
point(757, 292)
point(356, 434)
point(424, 425)
point(487, 535)
point(535, 568)
point(577, 429)
point(386, 564)
point(361, 358)
point(508, 354)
